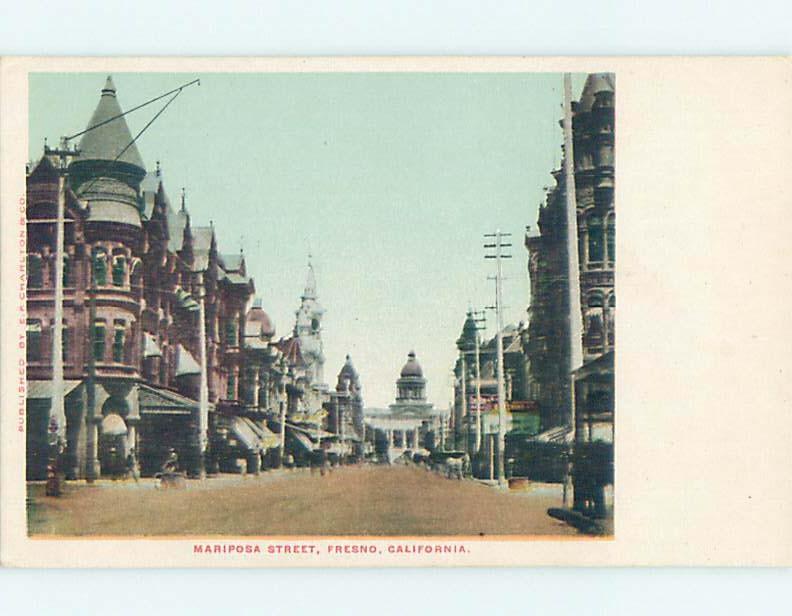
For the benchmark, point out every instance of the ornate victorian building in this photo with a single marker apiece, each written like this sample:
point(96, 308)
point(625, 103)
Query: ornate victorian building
point(546, 339)
point(136, 274)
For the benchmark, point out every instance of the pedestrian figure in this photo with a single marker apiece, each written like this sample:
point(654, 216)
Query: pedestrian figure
point(323, 461)
point(171, 464)
point(131, 465)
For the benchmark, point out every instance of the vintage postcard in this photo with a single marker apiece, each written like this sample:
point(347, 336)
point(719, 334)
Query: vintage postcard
point(362, 312)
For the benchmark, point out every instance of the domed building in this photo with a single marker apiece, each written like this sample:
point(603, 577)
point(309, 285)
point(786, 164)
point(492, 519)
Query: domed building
point(408, 422)
point(411, 385)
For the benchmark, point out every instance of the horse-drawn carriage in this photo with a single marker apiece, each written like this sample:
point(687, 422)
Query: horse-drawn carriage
point(452, 464)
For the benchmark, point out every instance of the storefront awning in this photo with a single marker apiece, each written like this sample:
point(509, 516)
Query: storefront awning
point(559, 434)
point(155, 401)
point(303, 440)
point(245, 434)
point(43, 389)
point(266, 438)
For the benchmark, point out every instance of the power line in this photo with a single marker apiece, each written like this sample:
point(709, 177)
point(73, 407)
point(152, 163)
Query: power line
point(134, 139)
point(121, 115)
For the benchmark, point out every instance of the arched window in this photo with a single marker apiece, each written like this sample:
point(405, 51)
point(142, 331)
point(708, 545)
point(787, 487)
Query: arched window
point(611, 234)
point(595, 300)
point(612, 301)
point(99, 266)
point(135, 272)
point(593, 335)
point(596, 247)
point(35, 274)
point(119, 269)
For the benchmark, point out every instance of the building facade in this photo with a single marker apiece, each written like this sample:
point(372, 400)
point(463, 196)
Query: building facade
point(546, 339)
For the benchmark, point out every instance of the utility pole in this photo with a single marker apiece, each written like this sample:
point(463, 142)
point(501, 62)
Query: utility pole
point(57, 421)
point(463, 429)
point(203, 395)
point(92, 438)
point(282, 400)
point(498, 246)
point(573, 267)
point(478, 318)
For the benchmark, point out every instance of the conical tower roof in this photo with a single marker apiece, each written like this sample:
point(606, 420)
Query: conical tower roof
point(107, 141)
point(595, 83)
point(467, 340)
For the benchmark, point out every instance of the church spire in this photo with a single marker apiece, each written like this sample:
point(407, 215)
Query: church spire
point(310, 282)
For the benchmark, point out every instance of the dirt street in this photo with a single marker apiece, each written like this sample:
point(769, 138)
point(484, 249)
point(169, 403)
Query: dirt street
point(365, 500)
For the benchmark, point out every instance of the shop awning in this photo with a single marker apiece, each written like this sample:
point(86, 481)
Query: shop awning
point(309, 431)
point(266, 438)
point(155, 401)
point(303, 440)
point(245, 434)
point(43, 389)
point(559, 434)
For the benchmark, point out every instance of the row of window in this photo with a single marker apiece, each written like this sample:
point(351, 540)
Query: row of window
point(599, 236)
point(98, 343)
point(99, 261)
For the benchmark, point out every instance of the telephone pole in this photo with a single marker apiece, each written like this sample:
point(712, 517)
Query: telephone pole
point(573, 268)
point(203, 395)
point(478, 318)
point(497, 245)
point(57, 422)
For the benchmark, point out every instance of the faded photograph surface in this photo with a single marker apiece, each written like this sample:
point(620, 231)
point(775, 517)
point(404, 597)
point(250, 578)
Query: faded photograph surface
point(336, 304)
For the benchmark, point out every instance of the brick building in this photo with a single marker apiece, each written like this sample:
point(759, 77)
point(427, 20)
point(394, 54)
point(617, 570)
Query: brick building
point(136, 272)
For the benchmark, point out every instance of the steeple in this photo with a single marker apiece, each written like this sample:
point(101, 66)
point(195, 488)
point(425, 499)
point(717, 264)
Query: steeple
point(310, 282)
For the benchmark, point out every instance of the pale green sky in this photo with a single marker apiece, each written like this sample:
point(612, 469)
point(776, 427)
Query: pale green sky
point(389, 180)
